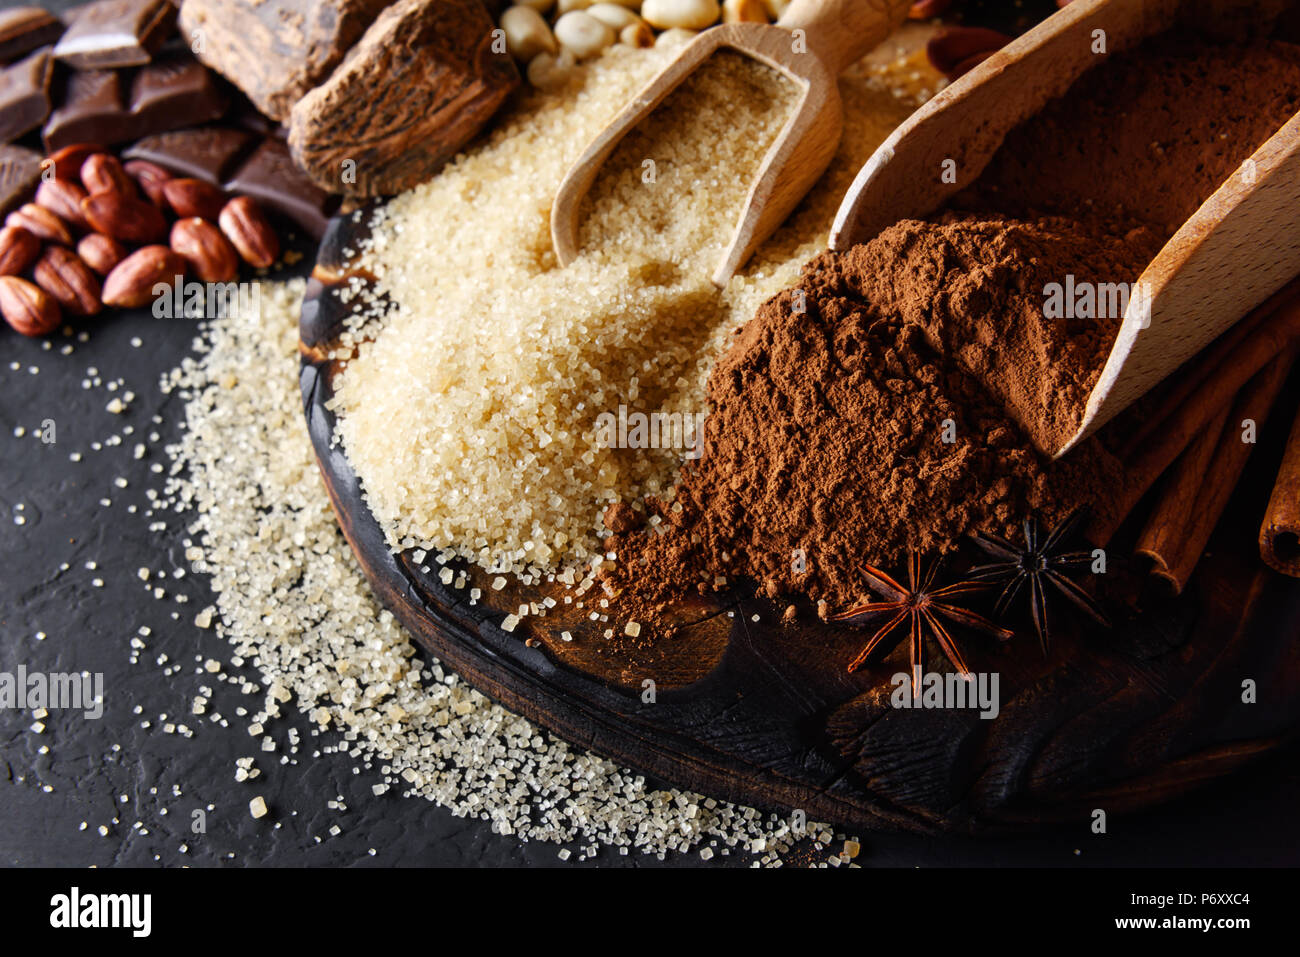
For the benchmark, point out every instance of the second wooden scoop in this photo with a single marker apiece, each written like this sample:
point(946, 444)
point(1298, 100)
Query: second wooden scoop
point(811, 45)
point(1235, 251)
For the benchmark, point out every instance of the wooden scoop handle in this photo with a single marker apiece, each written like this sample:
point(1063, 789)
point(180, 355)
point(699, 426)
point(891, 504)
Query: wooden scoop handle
point(842, 31)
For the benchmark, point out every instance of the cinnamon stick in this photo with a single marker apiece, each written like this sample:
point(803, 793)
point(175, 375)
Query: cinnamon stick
point(1222, 376)
point(1203, 479)
point(1176, 507)
point(1279, 536)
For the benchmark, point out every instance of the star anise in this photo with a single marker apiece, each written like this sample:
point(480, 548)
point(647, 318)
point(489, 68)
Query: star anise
point(921, 604)
point(1037, 566)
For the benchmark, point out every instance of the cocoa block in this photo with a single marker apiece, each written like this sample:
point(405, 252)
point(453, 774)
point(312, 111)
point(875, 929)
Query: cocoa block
point(420, 83)
point(276, 50)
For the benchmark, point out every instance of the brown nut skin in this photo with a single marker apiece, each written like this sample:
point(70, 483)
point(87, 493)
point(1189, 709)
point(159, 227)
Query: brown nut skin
point(62, 274)
point(101, 253)
point(150, 177)
point(67, 161)
point(41, 223)
point(131, 283)
point(18, 250)
point(63, 198)
point(124, 217)
point(245, 225)
point(27, 308)
point(210, 255)
point(192, 197)
point(102, 173)
point(952, 49)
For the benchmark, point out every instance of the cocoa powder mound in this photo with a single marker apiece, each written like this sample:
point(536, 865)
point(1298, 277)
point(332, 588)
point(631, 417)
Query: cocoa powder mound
point(842, 433)
point(976, 285)
point(825, 450)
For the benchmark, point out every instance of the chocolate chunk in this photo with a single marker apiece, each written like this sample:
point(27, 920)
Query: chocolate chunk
point(277, 50)
point(24, 29)
point(114, 33)
point(419, 85)
point(174, 90)
point(92, 111)
point(271, 177)
point(20, 171)
point(25, 95)
point(209, 153)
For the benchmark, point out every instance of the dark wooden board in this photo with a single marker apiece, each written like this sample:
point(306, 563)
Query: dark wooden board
point(765, 714)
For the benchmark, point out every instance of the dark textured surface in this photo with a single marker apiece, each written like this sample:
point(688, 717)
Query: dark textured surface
point(1247, 820)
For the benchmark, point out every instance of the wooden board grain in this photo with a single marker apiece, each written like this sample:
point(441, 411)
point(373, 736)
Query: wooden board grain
point(765, 714)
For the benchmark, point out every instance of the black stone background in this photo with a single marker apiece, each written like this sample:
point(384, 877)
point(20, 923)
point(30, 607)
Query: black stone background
point(92, 765)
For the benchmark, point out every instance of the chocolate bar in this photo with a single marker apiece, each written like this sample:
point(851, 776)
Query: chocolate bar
point(20, 171)
point(115, 33)
point(24, 29)
point(271, 177)
point(91, 109)
point(240, 162)
point(175, 90)
point(25, 95)
point(277, 50)
point(416, 88)
point(209, 153)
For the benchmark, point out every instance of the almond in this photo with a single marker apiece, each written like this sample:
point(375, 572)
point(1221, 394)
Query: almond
point(150, 177)
point(193, 197)
point(67, 161)
point(124, 217)
point(41, 223)
point(18, 250)
point(101, 253)
point(27, 308)
point(63, 198)
point(131, 282)
point(62, 274)
point(210, 255)
point(102, 173)
point(245, 225)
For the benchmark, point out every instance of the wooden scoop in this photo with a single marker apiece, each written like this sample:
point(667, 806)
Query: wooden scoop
point(1239, 248)
point(811, 45)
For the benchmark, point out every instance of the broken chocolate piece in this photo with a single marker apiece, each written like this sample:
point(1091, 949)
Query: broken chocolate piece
point(277, 50)
point(25, 95)
point(92, 111)
point(174, 90)
point(114, 33)
point(209, 153)
point(271, 177)
point(20, 171)
point(417, 87)
point(24, 29)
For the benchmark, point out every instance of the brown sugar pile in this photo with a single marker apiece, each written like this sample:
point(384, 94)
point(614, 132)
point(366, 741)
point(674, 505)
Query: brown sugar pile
point(841, 435)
